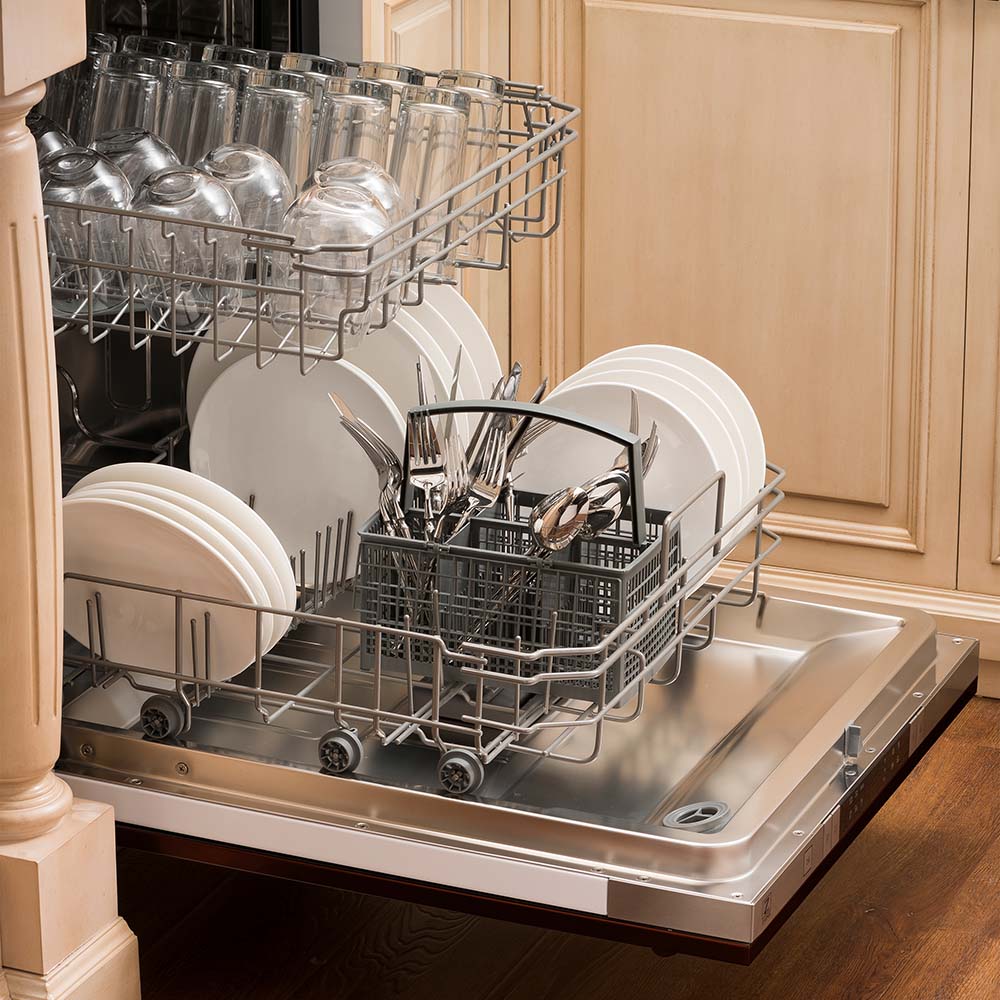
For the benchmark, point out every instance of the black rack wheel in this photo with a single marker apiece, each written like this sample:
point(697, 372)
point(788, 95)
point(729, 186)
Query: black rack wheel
point(162, 717)
point(460, 772)
point(340, 751)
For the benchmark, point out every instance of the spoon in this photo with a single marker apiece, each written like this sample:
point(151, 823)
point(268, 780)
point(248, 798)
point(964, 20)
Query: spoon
point(559, 518)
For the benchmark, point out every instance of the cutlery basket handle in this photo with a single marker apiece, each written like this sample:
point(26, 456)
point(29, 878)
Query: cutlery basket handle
point(542, 411)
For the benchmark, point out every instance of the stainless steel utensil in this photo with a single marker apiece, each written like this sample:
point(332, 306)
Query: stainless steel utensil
point(486, 477)
point(559, 519)
point(426, 460)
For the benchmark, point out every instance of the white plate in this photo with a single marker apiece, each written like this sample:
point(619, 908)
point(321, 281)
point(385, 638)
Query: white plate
point(617, 367)
point(726, 445)
point(449, 302)
point(214, 496)
point(686, 460)
point(124, 541)
point(471, 386)
point(275, 434)
point(273, 596)
point(727, 388)
point(390, 356)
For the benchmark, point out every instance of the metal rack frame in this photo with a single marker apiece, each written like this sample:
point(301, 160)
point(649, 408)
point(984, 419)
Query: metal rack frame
point(518, 197)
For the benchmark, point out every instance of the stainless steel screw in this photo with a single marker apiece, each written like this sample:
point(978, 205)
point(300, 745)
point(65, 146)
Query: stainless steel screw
point(181, 768)
point(798, 833)
point(870, 750)
point(361, 826)
point(737, 895)
point(135, 781)
point(918, 694)
point(86, 750)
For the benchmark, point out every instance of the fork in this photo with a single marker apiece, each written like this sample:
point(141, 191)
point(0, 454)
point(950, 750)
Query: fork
point(486, 477)
point(427, 471)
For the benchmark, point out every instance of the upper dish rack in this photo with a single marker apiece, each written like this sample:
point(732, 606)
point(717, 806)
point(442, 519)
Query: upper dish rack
point(518, 197)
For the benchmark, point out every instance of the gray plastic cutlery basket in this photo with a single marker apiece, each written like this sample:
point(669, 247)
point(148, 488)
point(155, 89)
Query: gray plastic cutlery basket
point(480, 589)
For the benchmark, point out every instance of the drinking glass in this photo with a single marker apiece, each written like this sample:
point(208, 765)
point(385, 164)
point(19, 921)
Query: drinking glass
point(428, 150)
point(47, 134)
point(241, 61)
point(317, 69)
point(136, 152)
point(337, 213)
point(378, 182)
point(199, 109)
point(277, 116)
point(185, 254)
point(144, 45)
point(396, 77)
point(353, 120)
point(127, 92)
point(256, 181)
point(75, 177)
point(485, 95)
point(68, 94)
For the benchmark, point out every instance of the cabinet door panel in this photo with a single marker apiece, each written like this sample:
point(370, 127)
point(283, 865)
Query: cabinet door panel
point(443, 34)
point(782, 187)
point(979, 562)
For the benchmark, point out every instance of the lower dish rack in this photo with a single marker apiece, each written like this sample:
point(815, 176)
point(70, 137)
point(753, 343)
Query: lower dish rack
point(468, 701)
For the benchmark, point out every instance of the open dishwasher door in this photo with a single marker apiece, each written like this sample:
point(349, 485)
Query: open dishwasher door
point(697, 827)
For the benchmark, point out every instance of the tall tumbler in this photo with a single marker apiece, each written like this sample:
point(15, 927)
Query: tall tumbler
point(196, 270)
point(277, 116)
point(76, 177)
point(68, 94)
point(317, 69)
point(241, 61)
point(396, 77)
point(485, 95)
point(136, 152)
point(144, 45)
point(428, 152)
point(127, 93)
point(353, 120)
point(199, 109)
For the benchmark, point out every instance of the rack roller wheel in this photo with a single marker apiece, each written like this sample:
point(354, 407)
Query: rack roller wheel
point(340, 751)
point(460, 772)
point(162, 717)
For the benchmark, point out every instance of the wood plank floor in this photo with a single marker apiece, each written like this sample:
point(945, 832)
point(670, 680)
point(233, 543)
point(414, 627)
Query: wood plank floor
point(911, 911)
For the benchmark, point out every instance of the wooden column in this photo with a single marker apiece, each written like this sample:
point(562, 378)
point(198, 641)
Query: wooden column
point(60, 935)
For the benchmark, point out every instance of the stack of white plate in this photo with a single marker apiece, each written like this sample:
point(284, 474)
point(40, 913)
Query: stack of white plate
point(273, 434)
point(158, 526)
point(705, 422)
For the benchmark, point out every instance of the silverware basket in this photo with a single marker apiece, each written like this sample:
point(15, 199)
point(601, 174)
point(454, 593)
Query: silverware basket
point(481, 588)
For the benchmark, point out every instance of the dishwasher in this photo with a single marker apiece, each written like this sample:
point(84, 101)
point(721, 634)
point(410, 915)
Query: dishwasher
point(680, 777)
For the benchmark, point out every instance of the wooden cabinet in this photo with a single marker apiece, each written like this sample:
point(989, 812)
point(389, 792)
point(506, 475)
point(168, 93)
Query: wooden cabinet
point(781, 185)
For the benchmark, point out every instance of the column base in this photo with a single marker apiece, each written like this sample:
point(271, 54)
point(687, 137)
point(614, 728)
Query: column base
point(105, 968)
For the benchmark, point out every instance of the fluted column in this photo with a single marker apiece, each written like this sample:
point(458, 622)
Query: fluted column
point(60, 934)
point(32, 799)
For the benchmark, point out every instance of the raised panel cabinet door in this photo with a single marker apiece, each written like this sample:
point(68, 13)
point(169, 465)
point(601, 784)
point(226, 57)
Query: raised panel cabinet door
point(979, 548)
point(782, 186)
point(448, 34)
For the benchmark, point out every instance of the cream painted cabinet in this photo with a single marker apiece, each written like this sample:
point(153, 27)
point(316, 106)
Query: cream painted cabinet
point(781, 185)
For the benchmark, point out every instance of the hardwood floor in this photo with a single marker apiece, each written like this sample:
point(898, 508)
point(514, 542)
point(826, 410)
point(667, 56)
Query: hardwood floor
point(911, 911)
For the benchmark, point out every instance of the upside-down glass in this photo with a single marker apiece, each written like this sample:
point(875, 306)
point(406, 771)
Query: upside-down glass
point(47, 134)
point(317, 69)
point(241, 60)
point(256, 181)
point(428, 152)
point(342, 214)
point(197, 267)
point(277, 116)
point(68, 94)
point(127, 92)
point(144, 45)
point(485, 95)
point(199, 109)
point(136, 152)
point(353, 120)
point(396, 77)
point(75, 177)
point(378, 182)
